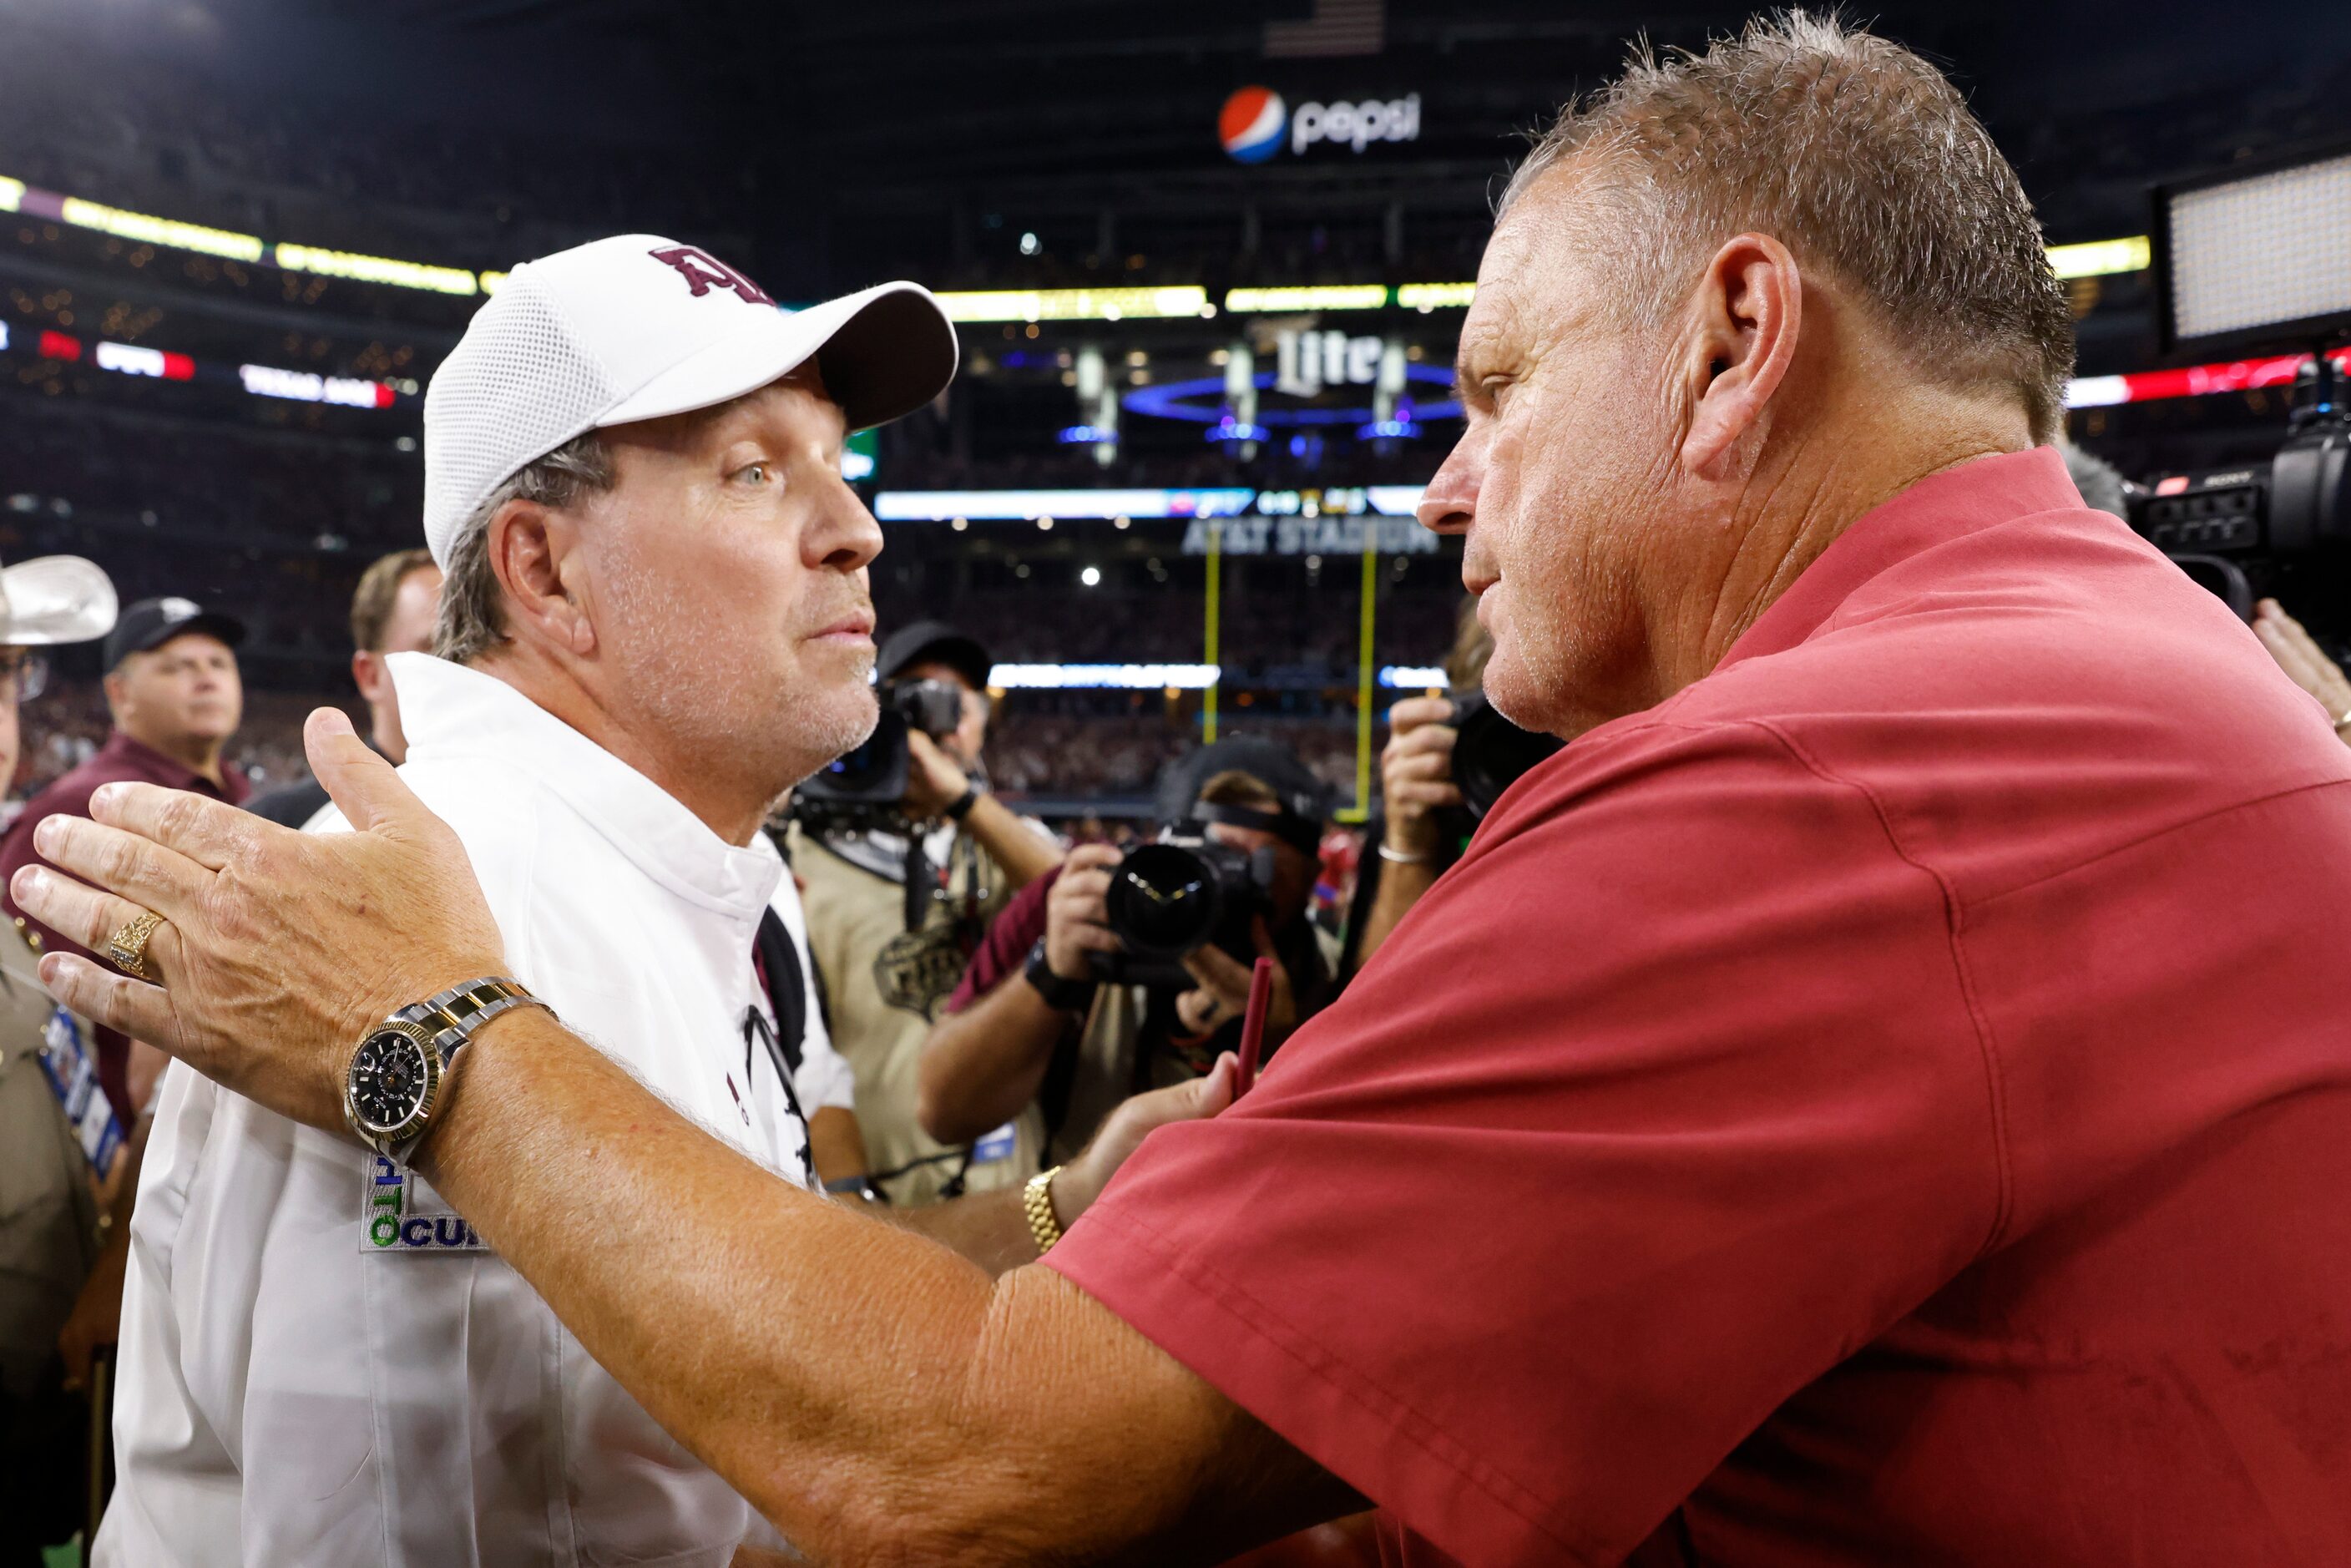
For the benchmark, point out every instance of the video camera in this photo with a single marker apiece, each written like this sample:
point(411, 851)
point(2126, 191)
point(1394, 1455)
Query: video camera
point(2239, 531)
point(861, 788)
point(2231, 255)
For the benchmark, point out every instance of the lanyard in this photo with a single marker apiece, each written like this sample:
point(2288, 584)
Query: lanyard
point(755, 1026)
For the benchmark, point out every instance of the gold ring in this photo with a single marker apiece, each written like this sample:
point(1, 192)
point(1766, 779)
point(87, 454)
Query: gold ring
point(128, 947)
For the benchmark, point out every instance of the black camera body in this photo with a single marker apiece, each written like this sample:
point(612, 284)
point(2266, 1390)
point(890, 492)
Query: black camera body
point(2239, 531)
point(860, 788)
point(1491, 753)
point(1170, 898)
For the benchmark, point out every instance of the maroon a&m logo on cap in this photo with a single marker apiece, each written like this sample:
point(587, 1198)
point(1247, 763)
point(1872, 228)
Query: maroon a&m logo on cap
point(704, 271)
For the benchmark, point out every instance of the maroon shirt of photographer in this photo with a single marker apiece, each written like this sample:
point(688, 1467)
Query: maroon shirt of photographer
point(121, 760)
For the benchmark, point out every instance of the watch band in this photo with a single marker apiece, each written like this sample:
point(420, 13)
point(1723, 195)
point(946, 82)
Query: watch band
point(960, 807)
point(1059, 992)
point(464, 1009)
point(460, 1011)
point(1037, 1203)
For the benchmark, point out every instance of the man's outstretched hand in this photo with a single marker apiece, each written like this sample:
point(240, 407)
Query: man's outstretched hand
point(278, 950)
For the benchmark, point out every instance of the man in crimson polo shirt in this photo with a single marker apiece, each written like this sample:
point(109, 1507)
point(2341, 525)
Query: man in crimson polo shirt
point(172, 686)
point(1880, 1095)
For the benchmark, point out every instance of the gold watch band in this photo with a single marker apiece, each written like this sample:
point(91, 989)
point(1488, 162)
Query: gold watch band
point(1036, 1201)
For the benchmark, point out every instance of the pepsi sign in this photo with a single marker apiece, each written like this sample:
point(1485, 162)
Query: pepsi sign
point(1252, 124)
point(1255, 123)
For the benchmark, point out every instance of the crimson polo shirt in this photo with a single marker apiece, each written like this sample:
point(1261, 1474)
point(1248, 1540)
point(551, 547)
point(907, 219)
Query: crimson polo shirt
point(1888, 1103)
point(121, 759)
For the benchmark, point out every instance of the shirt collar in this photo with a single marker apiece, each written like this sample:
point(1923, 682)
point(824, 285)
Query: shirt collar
point(453, 713)
point(1979, 493)
point(120, 750)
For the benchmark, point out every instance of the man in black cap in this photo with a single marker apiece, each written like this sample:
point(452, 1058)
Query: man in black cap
point(894, 912)
point(171, 684)
point(1030, 1031)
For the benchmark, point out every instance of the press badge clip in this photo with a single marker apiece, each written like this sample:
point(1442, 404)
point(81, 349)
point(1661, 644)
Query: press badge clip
point(393, 1218)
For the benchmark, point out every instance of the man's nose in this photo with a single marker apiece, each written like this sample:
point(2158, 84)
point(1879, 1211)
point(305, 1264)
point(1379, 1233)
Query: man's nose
point(843, 536)
point(1450, 502)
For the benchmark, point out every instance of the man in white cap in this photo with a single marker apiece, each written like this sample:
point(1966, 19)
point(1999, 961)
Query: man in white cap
point(49, 1226)
point(655, 620)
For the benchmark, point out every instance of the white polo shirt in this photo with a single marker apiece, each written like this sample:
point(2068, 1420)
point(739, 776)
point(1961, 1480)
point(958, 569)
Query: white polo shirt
point(319, 1363)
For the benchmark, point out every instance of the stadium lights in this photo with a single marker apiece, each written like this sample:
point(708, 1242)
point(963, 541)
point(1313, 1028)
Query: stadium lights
point(152, 230)
point(1412, 678)
point(2095, 258)
point(1121, 678)
point(125, 359)
point(1339, 297)
point(1426, 296)
point(2193, 380)
point(2100, 257)
point(1074, 304)
point(375, 269)
point(1027, 506)
point(163, 364)
point(2258, 257)
point(1122, 506)
point(303, 386)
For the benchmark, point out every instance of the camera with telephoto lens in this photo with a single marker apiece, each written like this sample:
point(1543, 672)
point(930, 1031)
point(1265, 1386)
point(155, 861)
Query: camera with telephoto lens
point(1491, 753)
point(861, 788)
point(1179, 893)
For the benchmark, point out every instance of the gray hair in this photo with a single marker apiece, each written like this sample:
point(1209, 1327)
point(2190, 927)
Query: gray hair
point(1857, 155)
point(473, 620)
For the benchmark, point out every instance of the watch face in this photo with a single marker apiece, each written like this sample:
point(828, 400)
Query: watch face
point(390, 1076)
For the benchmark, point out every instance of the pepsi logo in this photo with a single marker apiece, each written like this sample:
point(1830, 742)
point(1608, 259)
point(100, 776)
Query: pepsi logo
point(1252, 124)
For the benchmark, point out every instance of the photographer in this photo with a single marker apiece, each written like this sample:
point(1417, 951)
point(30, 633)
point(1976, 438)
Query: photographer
point(1422, 826)
point(898, 891)
point(1058, 1014)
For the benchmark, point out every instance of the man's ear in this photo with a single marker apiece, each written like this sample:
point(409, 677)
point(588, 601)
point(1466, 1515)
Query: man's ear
point(1748, 311)
point(367, 672)
point(532, 548)
point(116, 689)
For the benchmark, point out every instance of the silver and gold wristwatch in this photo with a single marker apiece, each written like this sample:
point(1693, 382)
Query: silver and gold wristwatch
point(393, 1084)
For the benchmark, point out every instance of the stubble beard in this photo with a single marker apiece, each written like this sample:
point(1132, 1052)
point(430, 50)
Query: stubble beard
point(732, 706)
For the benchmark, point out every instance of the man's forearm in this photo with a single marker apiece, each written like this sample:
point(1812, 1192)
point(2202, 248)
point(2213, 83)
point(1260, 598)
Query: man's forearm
point(992, 1228)
point(982, 1065)
point(835, 1331)
point(1024, 853)
point(869, 1391)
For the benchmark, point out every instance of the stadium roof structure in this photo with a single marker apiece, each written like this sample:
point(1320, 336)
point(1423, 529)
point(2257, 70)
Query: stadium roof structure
point(932, 137)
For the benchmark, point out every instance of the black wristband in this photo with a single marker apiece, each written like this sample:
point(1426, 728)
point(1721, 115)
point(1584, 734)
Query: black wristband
point(960, 807)
point(1064, 994)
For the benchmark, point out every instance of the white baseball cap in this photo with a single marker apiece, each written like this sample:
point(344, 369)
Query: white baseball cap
point(55, 599)
point(637, 326)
